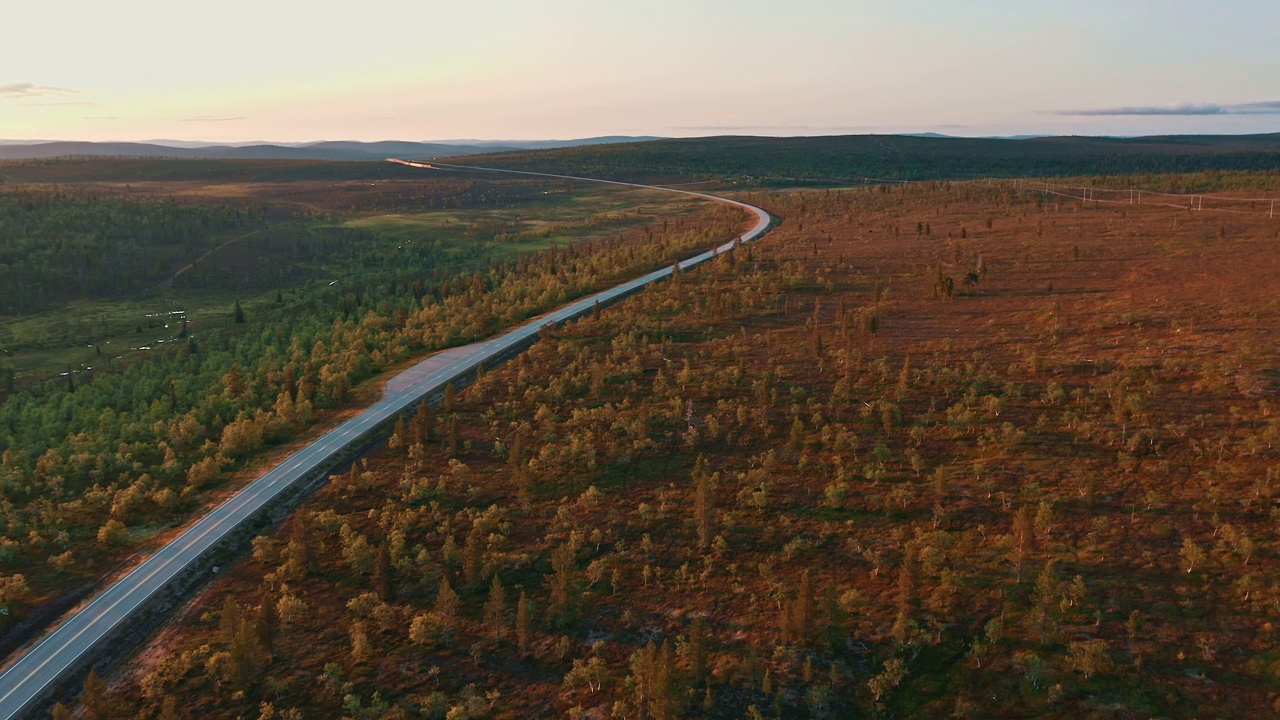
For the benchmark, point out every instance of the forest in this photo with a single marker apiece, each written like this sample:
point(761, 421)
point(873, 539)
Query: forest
point(947, 449)
point(856, 158)
point(94, 238)
point(101, 464)
point(61, 246)
point(99, 269)
point(127, 170)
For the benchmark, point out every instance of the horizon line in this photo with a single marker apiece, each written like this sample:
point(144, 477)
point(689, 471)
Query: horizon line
point(163, 142)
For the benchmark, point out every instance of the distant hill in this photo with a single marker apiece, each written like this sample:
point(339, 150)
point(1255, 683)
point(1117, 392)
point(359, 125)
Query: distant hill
point(827, 159)
point(346, 151)
point(556, 144)
point(329, 150)
point(899, 157)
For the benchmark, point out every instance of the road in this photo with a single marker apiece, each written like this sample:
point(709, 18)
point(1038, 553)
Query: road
point(63, 649)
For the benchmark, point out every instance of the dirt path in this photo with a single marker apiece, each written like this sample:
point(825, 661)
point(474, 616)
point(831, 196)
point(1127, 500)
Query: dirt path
point(202, 258)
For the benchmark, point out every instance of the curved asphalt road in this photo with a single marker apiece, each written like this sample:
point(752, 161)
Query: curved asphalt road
point(61, 650)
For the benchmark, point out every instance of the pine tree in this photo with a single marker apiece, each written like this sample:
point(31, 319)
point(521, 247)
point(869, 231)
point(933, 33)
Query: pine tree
point(472, 556)
point(802, 609)
point(94, 697)
point(245, 662)
point(796, 441)
point(382, 580)
point(698, 651)
point(663, 699)
point(653, 678)
point(703, 501)
point(495, 609)
point(562, 561)
point(422, 425)
point(298, 552)
point(453, 436)
point(268, 621)
point(238, 314)
point(447, 609)
point(524, 624)
point(230, 620)
point(398, 435)
point(1022, 539)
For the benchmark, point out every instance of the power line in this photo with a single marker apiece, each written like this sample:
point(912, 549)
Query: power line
point(1133, 196)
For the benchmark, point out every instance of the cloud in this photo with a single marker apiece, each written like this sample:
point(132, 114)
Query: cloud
point(1184, 109)
point(101, 117)
point(19, 91)
point(208, 118)
point(62, 103)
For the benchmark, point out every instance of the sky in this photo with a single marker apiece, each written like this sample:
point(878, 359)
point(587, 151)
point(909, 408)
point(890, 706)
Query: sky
point(248, 70)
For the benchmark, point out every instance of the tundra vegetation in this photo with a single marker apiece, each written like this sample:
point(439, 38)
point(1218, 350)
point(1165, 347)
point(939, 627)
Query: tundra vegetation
point(937, 450)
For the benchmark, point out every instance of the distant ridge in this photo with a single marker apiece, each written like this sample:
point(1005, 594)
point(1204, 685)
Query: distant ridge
point(555, 144)
point(832, 158)
point(340, 150)
point(854, 158)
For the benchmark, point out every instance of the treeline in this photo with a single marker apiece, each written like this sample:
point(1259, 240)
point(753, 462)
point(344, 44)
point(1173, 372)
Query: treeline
point(91, 247)
point(1208, 181)
point(894, 157)
point(64, 243)
point(291, 254)
point(93, 465)
point(298, 187)
point(129, 170)
point(59, 245)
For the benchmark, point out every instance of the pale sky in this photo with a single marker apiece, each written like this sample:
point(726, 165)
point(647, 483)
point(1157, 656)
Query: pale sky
point(239, 70)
